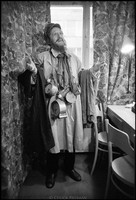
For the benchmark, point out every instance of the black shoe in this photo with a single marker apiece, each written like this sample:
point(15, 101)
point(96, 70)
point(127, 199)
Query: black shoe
point(74, 175)
point(50, 180)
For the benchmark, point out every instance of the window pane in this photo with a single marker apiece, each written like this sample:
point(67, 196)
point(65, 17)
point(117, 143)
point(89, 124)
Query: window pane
point(71, 21)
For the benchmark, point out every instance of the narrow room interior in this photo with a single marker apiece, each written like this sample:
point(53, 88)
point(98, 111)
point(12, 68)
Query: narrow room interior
point(67, 99)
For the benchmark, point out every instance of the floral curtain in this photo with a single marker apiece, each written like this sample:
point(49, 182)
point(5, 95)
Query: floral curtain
point(22, 24)
point(113, 20)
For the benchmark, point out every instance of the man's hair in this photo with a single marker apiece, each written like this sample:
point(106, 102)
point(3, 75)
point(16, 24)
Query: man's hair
point(47, 31)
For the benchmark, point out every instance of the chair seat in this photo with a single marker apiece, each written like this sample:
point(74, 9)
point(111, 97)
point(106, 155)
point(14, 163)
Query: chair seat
point(102, 137)
point(123, 168)
point(103, 145)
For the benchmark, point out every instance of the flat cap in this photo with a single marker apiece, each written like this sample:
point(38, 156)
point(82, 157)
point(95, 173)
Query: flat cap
point(48, 29)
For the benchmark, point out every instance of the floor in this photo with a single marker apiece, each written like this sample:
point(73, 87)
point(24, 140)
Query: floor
point(91, 187)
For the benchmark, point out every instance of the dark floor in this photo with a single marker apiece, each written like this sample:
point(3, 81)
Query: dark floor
point(91, 187)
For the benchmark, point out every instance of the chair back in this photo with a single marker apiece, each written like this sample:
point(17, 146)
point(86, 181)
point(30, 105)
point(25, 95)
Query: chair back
point(122, 166)
point(100, 113)
point(119, 138)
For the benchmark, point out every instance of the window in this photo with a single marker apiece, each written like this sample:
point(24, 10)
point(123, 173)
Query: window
point(76, 23)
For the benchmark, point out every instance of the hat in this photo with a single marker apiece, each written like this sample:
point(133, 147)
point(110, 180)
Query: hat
point(48, 29)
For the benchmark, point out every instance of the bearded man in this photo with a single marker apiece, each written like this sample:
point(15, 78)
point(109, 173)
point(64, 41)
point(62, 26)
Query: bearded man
point(61, 68)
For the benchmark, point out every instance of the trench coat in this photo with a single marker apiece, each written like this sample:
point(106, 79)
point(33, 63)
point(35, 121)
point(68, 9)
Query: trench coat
point(67, 132)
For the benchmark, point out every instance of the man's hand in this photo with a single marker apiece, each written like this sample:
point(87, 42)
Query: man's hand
point(30, 65)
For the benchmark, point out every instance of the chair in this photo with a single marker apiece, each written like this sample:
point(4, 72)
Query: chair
point(121, 169)
point(100, 137)
point(101, 144)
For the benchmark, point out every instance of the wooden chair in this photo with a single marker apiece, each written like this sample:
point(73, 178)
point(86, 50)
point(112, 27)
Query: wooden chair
point(121, 169)
point(101, 144)
point(100, 137)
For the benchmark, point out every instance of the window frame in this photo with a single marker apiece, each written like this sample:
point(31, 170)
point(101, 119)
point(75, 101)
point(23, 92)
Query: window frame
point(86, 54)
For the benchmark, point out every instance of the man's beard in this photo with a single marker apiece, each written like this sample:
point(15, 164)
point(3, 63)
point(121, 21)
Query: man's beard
point(58, 47)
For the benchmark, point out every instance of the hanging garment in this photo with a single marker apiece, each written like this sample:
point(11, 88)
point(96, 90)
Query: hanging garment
point(88, 95)
point(40, 137)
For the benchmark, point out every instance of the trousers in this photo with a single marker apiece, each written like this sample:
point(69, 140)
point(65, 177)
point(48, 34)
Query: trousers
point(53, 161)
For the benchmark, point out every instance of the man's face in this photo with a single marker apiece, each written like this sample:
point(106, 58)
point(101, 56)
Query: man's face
point(57, 38)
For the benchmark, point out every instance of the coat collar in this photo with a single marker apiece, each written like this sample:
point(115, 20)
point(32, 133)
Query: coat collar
point(55, 54)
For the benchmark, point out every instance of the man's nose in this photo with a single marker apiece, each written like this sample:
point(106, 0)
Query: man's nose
point(60, 35)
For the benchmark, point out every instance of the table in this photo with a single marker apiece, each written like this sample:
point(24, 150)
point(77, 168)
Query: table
point(122, 118)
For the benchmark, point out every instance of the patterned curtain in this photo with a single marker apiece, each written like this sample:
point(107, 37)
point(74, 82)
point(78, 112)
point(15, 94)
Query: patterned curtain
point(22, 27)
point(112, 21)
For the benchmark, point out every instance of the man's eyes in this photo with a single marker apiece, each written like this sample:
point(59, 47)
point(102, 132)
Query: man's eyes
point(55, 34)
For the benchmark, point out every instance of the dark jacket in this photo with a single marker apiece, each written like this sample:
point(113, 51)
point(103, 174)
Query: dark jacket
point(41, 138)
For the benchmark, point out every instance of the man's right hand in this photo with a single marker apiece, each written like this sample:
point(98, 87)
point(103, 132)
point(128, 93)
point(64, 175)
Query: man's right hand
point(30, 65)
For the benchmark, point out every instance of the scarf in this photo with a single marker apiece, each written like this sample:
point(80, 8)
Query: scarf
point(64, 74)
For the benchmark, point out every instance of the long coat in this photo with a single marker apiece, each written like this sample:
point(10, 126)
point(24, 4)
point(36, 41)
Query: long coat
point(67, 132)
point(41, 138)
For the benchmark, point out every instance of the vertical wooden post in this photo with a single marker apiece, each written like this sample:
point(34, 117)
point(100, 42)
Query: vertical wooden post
point(86, 34)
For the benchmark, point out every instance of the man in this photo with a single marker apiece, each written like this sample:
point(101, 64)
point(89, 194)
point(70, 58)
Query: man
point(61, 69)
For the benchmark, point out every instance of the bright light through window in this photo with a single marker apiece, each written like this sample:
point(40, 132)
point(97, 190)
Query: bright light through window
point(71, 21)
point(77, 26)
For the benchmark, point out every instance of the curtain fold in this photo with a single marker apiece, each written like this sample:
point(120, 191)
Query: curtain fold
point(112, 21)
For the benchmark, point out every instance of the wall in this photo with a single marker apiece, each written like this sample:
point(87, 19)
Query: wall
point(21, 32)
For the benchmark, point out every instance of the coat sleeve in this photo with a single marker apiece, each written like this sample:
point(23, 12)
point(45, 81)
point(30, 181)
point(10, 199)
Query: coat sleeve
point(25, 80)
